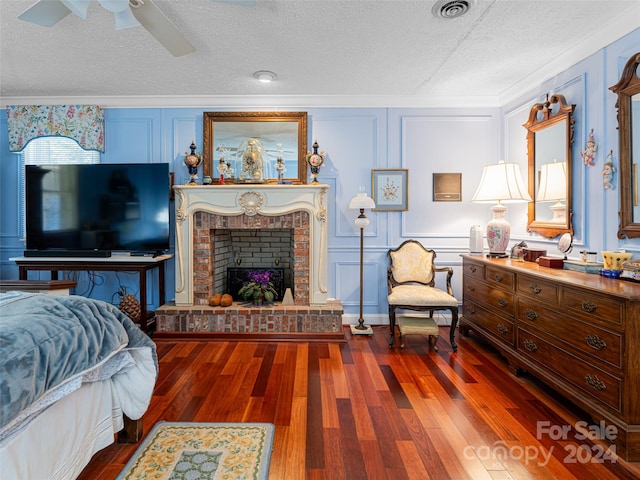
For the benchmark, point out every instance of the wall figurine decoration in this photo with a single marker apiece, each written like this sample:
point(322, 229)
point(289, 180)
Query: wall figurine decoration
point(589, 153)
point(608, 170)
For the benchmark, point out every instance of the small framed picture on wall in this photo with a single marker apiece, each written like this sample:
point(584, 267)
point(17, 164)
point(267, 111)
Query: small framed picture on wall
point(390, 189)
point(447, 187)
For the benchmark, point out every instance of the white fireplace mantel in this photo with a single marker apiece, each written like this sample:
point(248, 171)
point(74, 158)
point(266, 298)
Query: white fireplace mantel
point(253, 199)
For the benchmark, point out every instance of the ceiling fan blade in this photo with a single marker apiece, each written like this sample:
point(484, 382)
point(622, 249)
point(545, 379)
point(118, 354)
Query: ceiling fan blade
point(45, 13)
point(244, 3)
point(162, 29)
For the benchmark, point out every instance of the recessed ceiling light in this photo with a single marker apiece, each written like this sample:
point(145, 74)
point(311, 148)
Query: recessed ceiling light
point(265, 76)
point(449, 9)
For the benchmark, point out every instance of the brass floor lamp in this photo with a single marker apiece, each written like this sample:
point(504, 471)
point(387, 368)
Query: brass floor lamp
point(361, 201)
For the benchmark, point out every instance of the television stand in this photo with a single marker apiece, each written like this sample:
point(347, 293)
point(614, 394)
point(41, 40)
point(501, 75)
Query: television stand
point(142, 265)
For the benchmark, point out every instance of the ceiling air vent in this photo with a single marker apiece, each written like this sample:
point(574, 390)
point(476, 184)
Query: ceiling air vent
point(448, 9)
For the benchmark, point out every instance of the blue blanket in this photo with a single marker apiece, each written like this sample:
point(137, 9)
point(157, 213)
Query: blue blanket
point(47, 339)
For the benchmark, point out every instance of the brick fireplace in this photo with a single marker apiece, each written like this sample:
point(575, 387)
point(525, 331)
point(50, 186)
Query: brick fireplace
point(285, 224)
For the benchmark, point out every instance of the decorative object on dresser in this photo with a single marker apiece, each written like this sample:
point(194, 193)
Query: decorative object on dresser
point(549, 140)
point(476, 240)
point(532, 254)
point(361, 201)
point(500, 183)
point(551, 262)
point(565, 244)
point(411, 282)
point(614, 260)
point(578, 333)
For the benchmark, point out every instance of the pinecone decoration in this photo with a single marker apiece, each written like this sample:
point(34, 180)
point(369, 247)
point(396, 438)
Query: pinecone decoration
point(129, 304)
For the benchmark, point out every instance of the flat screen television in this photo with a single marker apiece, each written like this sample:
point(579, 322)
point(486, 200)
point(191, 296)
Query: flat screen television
point(73, 209)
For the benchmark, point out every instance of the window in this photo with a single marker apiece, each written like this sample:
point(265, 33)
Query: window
point(47, 151)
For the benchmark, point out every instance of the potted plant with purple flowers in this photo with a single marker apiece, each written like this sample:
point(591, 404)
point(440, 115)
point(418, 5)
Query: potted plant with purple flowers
point(258, 288)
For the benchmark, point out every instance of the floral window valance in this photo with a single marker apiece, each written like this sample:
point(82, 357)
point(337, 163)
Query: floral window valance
point(82, 123)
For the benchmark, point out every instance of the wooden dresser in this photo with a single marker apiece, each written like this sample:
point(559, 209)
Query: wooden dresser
point(578, 332)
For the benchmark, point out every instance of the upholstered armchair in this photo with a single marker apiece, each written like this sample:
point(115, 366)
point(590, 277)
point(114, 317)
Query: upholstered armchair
point(411, 285)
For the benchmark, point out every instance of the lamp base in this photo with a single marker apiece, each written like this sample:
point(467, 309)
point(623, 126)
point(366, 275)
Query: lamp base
point(497, 255)
point(356, 331)
point(498, 231)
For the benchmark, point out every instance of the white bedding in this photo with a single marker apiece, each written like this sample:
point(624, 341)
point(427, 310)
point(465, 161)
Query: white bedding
point(58, 444)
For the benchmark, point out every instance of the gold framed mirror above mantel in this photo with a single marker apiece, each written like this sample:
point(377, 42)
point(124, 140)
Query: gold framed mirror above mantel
point(549, 140)
point(628, 104)
point(229, 135)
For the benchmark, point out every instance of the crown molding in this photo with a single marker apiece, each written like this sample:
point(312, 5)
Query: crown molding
point(271, 102)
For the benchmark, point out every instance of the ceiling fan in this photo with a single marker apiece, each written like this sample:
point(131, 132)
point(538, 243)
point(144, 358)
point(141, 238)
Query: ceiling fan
point(127, 13)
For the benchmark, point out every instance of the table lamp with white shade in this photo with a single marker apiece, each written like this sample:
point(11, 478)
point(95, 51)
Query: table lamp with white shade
point(553, 188)
point(500, 183)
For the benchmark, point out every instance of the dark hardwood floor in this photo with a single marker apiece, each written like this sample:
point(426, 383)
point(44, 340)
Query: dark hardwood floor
point(358, 410)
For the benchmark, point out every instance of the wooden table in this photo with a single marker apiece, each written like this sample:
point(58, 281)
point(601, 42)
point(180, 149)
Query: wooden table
point(116, 263)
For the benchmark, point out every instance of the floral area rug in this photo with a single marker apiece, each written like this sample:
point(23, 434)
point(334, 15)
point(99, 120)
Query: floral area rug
point(191, 451)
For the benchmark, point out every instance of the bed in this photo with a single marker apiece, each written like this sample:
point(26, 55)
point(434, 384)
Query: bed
point(71, 369)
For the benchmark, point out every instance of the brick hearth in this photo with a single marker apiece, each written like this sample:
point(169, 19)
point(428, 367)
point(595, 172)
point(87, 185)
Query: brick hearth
point(239, 318)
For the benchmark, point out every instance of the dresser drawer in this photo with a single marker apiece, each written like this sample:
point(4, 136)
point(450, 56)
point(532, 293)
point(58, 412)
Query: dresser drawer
point(596, 383)
point(590, 306)
point(475, 315)
point(589, 341)
point(505, 279)
point(500, 300)
point(541, 290)
point(473, 270)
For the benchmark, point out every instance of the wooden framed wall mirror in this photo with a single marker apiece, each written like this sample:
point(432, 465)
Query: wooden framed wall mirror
point(231, 135)
point(549, 140)
point(628, 90)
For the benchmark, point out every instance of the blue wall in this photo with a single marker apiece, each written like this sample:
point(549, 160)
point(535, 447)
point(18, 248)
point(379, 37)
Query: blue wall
point(356, 140)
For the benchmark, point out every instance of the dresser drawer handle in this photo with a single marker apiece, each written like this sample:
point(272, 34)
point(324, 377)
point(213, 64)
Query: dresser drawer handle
point(530, 314)
point(471, 309)
point(594, 382)
point(471, 288)
point(502, 329)
point(534, 289)
point(530, 345)
point(503, 302)
point(473, 268)
point(498, 277)
point(595, 342)
point(588, 306)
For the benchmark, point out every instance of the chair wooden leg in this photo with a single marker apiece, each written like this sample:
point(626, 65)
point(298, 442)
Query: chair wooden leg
point(433, 340)
point(454, 324)
point(392, 324)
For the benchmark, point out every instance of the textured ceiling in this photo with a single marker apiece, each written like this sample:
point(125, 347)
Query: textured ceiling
point(338, 51)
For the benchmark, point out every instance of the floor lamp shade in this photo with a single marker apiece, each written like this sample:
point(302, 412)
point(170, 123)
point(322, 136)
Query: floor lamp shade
point(500, 183)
